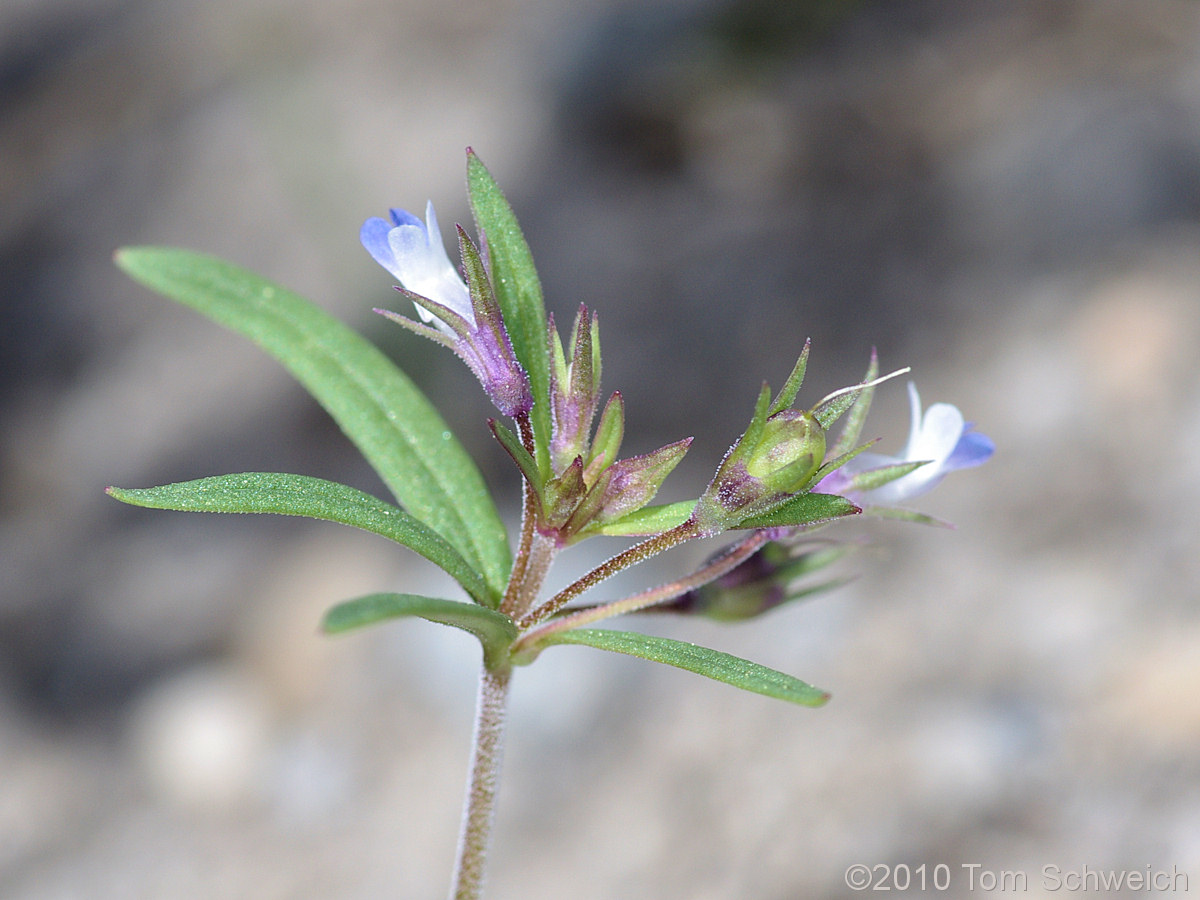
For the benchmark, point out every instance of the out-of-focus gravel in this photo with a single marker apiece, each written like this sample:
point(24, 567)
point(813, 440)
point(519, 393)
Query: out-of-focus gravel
point(1004, 195)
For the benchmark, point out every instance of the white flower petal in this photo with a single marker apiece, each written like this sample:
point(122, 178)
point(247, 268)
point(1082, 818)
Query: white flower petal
point(940, 432)
point(932, 438)
point(422, 266)
point(914, 426)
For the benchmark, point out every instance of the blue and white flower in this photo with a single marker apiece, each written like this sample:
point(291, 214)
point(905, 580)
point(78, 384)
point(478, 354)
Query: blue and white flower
point(941, 439)
point(465, 315)
point(413, 252)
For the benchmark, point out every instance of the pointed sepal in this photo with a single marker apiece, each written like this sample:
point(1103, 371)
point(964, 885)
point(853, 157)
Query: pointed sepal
point(791, 387)
point(625, 487)
point(518, 292)
point(574, 389)
point(606, 443)
point(857, 415)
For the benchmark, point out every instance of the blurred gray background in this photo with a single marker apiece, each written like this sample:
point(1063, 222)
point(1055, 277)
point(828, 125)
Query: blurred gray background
point(1005, 195)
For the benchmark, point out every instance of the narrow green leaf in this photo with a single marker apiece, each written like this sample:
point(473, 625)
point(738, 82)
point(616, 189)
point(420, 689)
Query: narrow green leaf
point(853, 426)
point(512, 445)
point(803, 509)
point(836, 462)
point(905, 515)
point(315, 498)
point(650, 520)
point(741, 673)
point(873, 478)
point(518, 290)
point(494, 630)
point(380, 410)
point(791, 387)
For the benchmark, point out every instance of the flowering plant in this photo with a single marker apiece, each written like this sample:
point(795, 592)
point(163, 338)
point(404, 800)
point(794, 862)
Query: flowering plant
point(784, 478)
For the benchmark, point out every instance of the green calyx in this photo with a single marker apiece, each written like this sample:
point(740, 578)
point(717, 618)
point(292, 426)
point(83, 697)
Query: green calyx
point(789, 451)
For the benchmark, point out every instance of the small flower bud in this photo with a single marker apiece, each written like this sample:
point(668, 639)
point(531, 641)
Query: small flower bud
point(775, 458)
point(773, 576)
point(790, 451)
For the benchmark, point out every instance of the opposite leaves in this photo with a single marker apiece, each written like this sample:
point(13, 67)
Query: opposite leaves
point(376, 405)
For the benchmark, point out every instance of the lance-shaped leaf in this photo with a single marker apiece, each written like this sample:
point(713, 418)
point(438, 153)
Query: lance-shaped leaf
point(741, 673)
point(494, 630)
point(650, 520)
point(315, 498)
point(518, 290)
point(791, 387)
point(870, 479)
point(858, 411)
point(525, 462)
point(376, 405)
point(803, 509)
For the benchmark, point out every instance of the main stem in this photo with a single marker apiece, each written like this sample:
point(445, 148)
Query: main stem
point(529, 569)
point(480, 805)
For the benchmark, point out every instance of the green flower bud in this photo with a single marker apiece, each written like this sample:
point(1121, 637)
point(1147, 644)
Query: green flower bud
point(774, 459)
point(789, 452)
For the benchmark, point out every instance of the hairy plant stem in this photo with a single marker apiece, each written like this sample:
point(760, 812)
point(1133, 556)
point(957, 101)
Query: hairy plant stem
point(534, 555)
point(637, 553)
point(479, 808)
point(542, 550)
point(729, 559)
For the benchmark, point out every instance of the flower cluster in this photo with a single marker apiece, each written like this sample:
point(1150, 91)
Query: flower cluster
point(782, 478)
point(585, 487)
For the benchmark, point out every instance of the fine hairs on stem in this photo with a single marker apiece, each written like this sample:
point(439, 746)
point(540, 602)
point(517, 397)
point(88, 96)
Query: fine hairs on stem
point(479, 807)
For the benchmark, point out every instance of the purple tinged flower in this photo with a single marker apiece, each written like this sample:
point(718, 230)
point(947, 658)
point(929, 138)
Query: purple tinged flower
point(624, 487)
point(465, 315)
point(586, 487)
point(940, 438)
point(574, 389)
